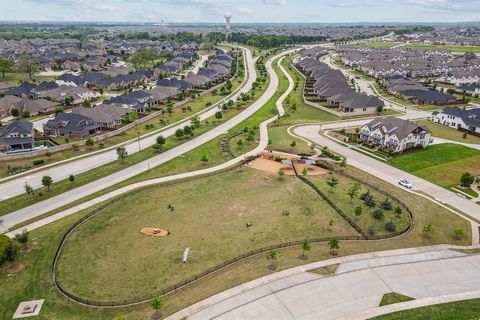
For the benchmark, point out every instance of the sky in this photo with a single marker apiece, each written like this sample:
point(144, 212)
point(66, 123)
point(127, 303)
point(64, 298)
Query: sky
point(242, 11)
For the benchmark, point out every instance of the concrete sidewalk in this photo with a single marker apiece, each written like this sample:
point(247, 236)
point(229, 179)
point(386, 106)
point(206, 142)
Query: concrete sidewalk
point(430, 273)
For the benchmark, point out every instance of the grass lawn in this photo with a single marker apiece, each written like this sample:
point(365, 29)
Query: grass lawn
point(245, 146)
point(444, 47)
point(445, 132)
point(366, 221)
point(97, 253)
point(442, 164)
point(32, 278)
point(461, 310)
point(281, 140)
point(18, 77)
point(383, 44)
point(393, 297)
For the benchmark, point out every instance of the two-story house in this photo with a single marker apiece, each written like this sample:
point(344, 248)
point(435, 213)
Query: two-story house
point(17, 136)
point(395, 135)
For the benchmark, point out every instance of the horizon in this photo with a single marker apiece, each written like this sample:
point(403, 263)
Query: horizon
point(247, 11)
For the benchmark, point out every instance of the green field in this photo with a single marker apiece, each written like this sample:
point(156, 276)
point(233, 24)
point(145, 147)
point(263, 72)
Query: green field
point(209, 218)
point(382, 44)
point(442, 164)
point(19, 77)
point(393, 297)
point(461, 310)
point(445, 47)
point(445, 132)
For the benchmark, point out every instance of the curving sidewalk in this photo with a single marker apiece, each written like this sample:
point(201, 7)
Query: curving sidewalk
point(30, 212)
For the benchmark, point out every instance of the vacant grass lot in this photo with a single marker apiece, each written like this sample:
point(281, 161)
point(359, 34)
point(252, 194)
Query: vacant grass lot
point(445, 132)
point(461, 310)
point(442, 164)
point(209, 218)
point(281, 140)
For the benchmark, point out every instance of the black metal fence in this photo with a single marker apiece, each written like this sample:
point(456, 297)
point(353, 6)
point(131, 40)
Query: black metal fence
point(227, 263)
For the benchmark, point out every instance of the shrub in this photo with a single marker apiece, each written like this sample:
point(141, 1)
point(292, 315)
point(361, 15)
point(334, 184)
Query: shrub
point(5, 243)
point(390, 226)
point(386, 205)
point(38, 162)
point(378, 214)
point(370, 203)
point(371, 230)
point(365, 196)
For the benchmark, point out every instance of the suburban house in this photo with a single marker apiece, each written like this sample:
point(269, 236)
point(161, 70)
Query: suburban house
point(79, 94)
point(71, 125)
point(25, 106)
point(414, 91)
point(17, 136)
point(395, 135)
point(107, 116)
point(466, 120)
point(331, 86)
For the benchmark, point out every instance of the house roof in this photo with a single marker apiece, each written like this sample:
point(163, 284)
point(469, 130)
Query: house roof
point(391, 125)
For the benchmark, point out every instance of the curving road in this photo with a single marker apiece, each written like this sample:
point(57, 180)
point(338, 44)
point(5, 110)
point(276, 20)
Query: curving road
point(48, 205)
point(429, 275)
point(11, 187)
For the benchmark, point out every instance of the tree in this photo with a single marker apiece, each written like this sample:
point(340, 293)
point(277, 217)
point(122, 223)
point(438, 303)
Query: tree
point(380, 109)
point(458, 233)
point(89, 142)
point(187, 131)
point(331, 181)
point(467, 179)
point(240, 143)
point(157, 305)
point(161, 140)
point(272, 256)
point(86, 104)
point(353, 191)
point(343, 162)
point(293, 144)
point(281, 173)
point(334, 245)
point(218, 115)
point(6, 65)
point(179, 133)
point(22, 237)
point(358, 211)
point(71, 178)
point(47, 181)
point(122, 153)
point(28, 189)
point(195, 120)
point(305, 245)
point(305, 171)
point(27, 64)
point(204, 159)
point(428, 230)
point(14, 112)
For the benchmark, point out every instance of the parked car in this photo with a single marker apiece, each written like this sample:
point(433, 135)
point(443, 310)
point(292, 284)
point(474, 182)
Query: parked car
point(405, 183)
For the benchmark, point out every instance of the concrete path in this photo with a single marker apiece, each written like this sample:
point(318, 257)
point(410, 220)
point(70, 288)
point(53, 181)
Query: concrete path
point(13, 186)
point(200, 63)
point(38, 209)
point(356, 288)
point(386, 172)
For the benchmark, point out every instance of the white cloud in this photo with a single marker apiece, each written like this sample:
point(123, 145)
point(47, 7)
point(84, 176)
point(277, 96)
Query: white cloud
point(274, 2)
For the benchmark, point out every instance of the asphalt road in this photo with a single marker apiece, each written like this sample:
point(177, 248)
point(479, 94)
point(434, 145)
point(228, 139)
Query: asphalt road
point(27, 213)
point(15, 186)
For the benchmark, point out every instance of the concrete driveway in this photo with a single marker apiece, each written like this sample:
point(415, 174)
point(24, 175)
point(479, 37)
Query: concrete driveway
point(353, 292)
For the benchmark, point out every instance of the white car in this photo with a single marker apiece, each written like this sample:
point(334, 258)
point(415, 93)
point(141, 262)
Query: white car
point(405, 183)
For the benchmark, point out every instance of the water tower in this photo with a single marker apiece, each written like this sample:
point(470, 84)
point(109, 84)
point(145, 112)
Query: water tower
point(228, 26)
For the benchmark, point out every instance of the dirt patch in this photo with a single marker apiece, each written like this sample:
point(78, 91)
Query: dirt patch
point(271, 166)
point(154, 232)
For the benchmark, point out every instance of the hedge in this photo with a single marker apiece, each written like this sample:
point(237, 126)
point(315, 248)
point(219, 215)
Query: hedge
point(5, 244)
